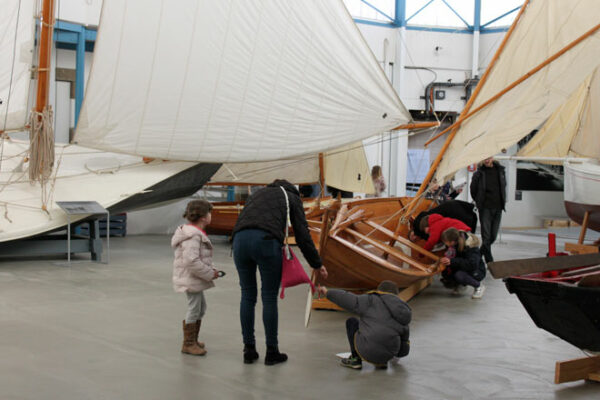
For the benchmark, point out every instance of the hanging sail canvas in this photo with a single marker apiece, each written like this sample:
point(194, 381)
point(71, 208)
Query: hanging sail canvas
point(16, 48)
point(546, 28)
point(233, 81)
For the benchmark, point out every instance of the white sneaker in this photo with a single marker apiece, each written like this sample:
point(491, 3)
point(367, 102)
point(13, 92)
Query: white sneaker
point(478, 292)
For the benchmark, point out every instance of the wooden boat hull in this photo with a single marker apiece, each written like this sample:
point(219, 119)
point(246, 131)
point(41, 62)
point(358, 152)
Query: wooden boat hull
point(566, 310)
point(358, 253)
point(224, 216)
point(226, 213)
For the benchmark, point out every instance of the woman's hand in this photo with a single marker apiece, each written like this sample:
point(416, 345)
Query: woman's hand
point(323, 272)
point(445, 261)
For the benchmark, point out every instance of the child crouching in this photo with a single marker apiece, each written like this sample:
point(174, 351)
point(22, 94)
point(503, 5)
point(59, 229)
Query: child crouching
point(193, 270)
point(465, 266)
point(382, 332)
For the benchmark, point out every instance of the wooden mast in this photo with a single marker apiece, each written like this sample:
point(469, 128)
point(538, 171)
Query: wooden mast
point(438, 159)
point(47, 27)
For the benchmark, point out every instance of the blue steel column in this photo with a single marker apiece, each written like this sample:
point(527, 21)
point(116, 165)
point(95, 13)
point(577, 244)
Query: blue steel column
point(400, 14)
point(476, 32)
point(398, 146)
point(79, 71)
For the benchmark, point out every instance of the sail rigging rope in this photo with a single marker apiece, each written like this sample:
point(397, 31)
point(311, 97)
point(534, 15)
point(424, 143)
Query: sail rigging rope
point(41, 150)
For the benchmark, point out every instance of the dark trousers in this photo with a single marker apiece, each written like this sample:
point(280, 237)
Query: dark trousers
point(489, 218)
point(252, 248)
point(463, 278)
point(351, 329)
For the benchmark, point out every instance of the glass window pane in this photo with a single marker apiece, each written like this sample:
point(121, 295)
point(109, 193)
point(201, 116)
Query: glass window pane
point(492, 9)
point(359, 9)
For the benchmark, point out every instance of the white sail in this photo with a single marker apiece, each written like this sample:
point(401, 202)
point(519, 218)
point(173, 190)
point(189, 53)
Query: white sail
point(545, 28)
point(232, 81)
point(16, 50)
point(304, 169)
point(572, 131)
point(344, 168)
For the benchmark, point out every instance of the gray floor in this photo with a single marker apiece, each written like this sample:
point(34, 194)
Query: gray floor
point(94, 331)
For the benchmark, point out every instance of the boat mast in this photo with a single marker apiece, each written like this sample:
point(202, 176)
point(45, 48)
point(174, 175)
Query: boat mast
point(41, 135)
point(43, 72)
point(463, 114)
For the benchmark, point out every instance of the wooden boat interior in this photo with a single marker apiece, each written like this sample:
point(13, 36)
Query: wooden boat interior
point(363, 242)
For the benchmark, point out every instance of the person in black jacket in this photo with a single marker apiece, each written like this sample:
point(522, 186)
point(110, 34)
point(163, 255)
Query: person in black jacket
point(457, 209)
point(488, 189)
point(258, 238)
point(463, 262)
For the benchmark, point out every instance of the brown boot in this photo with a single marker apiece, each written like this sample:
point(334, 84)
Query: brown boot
point(198, 323)
point(189, 340)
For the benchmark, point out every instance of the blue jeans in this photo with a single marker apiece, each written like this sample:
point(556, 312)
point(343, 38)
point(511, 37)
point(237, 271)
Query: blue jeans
point(252, 248)
point(489, 219)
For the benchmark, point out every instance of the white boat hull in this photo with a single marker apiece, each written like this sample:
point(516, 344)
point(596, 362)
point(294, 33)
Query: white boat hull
point(582, 192)
point(81, 174)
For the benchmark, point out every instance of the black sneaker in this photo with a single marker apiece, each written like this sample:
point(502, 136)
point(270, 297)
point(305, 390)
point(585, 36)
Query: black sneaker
point(352, 362)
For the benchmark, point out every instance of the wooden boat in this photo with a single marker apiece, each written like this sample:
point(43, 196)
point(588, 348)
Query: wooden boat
point(582, 194)
point(561, 295)
point(566, 305)
point(225, 214)
point(363, 242)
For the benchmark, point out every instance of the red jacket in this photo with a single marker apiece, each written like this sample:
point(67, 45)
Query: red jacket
point(438, 224)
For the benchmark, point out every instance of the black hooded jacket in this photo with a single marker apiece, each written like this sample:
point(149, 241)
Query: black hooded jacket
point(457, 209)
point(265, 209)
point(478, 185)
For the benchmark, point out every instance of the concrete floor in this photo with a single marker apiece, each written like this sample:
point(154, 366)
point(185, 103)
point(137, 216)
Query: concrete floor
point(95, 331)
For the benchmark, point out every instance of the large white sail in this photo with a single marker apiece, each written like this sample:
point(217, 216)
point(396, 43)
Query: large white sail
point(545, 28)
point(344, 168)
point(16, 50)
point(232, 81)
point(572, 131)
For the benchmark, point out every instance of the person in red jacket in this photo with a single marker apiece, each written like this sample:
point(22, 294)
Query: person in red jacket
point(435, 224)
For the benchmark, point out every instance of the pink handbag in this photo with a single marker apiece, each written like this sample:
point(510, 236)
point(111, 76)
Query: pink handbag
point(292, 271)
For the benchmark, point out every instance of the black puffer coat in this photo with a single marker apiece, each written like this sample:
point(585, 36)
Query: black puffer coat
point(265, 209)
point(383, 331)
point(469, 259)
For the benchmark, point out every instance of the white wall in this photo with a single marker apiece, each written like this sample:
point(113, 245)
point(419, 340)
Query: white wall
point(83, 12)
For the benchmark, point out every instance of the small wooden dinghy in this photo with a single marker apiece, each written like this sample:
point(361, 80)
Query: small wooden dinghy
point(364, 242)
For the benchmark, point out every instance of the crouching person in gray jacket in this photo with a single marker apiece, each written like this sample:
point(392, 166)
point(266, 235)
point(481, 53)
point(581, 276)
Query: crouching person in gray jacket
point(382, 331)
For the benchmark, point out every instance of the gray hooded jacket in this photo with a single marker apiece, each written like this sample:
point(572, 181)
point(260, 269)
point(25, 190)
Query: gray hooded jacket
point(383, 325)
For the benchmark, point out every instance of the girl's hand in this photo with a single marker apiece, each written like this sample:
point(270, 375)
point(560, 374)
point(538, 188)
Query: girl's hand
point(445, 261)
point(322, 291)
point(215, 274)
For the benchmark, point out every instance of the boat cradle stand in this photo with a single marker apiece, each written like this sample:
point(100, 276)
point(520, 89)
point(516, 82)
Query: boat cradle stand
point(57, 244)
point(68, 244)
point(581, 368)
point(405, 294)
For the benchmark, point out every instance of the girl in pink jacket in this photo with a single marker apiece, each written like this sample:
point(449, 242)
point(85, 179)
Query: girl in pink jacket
point(193, 270)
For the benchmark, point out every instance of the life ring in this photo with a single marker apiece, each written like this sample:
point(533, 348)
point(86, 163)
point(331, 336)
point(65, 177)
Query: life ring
point(472, 167)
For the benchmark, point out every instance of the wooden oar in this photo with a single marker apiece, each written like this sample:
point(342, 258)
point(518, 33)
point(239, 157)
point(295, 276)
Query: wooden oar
point(313, 278)
point(503, 269)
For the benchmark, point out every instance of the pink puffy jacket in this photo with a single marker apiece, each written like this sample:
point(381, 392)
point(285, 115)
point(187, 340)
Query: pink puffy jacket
point(193, 269)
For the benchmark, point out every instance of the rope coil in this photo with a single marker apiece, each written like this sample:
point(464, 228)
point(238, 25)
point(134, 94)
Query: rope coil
point(41, 150)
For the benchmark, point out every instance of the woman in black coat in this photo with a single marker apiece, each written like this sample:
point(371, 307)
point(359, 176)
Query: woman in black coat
point(258, 239)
